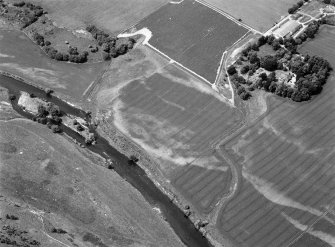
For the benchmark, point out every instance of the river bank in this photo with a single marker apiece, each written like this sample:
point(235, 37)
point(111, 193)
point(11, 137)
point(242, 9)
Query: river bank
point(133, 174)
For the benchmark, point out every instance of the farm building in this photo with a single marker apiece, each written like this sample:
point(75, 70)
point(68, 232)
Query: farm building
point(288, 29)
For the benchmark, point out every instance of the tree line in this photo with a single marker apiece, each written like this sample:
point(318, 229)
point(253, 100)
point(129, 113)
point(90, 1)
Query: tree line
point(27, 13)
point(110, 46)
point(72, 55)
point(296, 6)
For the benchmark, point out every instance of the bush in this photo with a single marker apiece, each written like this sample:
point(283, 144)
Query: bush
point(245, 69)
point(12, 97)
point(73, 50)
point(55, 129)
point(269, 63)
point(231, 70)
point(106, 56)
point(48, 91)
point(19, 4)
point(262, 41)
point(39, 39)
point(59, 56)
point(122, 49)
point(80, 127)
point(245, 95)
point(253, 58)
point(240, 90)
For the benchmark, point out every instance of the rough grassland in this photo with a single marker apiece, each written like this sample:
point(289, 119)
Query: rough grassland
point(192, 34)
point(259, 14)
point(22, 57)
point(176, 118)
point(287, 158)
point(46, 173)
point(111, 15)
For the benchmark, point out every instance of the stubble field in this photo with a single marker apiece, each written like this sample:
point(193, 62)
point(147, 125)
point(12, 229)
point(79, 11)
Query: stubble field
point(192, 34)
point(259, 14)
point(287, 193)
point(176, 118)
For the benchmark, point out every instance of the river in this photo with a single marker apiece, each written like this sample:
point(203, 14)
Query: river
point(135, 175)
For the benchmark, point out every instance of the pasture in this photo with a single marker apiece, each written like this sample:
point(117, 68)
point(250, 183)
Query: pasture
point(176, 118)
point(20, 56)
point(113, 16)
point(287, 157)
point(193, 35)
point(259, 14)
point(313, 8)
point(74, 191)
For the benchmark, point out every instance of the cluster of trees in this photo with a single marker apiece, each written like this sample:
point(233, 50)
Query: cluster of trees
point(30, 13)
point(90, 138)
point(309, 32)
point(332, 2)
point(11, 217)
point(330, 20)
point(268, 82)
point(312, 73)
point(238, 81)
point(73, 55)
point(296, 6)
point(109, 45)
point(58, 230)
point(50, 115)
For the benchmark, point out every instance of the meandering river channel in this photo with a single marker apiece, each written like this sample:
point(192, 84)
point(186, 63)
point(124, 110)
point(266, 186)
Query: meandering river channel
point(135, 175)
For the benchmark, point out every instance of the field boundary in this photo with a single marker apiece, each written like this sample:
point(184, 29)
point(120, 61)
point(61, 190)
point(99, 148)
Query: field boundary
point(225, 14)
point(148, 34)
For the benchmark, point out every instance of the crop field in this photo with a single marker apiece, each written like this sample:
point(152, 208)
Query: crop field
point(287, 157)
point(259, 14)
point(22, 57)
point(113, 16)
point(176, 118)
point(43, 171)
point(201, 185)
point(192, 34)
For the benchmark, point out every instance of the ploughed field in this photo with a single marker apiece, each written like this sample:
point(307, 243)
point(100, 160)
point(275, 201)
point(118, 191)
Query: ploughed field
point(287, 158)
point(192, 34)
point(177, 119)
point(259, 14)
point(22, 57)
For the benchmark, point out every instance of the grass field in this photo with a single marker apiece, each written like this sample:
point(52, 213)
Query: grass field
point(65, 185)
point(20, 56)
point(193, 35)
point(113, 16)
point(176, 118)
point(313, 8)
point(287, 157)
point(259, 14)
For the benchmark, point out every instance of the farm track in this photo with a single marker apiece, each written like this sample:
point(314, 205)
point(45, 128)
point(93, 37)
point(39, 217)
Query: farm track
point(290, 151)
